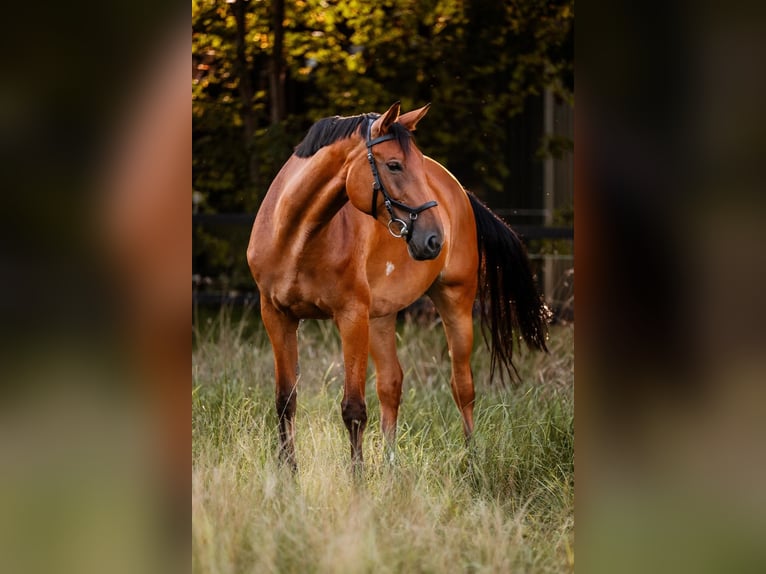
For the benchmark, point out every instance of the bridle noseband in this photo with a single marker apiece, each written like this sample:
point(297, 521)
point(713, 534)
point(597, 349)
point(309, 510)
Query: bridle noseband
point(377, 186)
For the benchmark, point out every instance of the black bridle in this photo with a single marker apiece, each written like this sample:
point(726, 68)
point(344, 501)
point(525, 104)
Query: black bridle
point(377, 186)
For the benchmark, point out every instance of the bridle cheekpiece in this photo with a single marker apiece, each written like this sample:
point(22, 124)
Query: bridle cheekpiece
point(396, 227)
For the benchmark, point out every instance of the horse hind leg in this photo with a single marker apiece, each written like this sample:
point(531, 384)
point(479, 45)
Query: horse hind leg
point(455, 306)
point(388, 376)
point(282, 331)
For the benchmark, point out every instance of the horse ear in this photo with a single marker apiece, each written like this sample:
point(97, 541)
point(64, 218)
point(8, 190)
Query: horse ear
point(411, 119)
point(382, 124)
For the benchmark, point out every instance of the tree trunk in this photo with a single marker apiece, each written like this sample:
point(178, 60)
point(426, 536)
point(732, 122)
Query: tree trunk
point(277, 69)
point(246, 92)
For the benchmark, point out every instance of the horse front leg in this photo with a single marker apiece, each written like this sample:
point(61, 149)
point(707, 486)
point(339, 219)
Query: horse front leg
point(354, 333)
point(282, 330)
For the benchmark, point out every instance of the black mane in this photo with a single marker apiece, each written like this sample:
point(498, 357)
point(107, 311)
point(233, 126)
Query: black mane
point(329, 130)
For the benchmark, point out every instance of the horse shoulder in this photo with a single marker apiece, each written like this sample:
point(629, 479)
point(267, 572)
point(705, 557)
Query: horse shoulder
point(462, 260)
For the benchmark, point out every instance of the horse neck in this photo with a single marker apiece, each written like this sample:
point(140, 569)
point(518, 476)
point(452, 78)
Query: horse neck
point(312, 197)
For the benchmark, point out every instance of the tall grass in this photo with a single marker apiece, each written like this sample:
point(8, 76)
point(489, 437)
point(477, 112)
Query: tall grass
point(503, 503)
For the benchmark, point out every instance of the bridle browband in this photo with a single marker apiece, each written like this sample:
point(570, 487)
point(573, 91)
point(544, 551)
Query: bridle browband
point(377, 186)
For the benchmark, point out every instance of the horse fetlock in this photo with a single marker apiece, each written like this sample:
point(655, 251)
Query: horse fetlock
point(287, 456)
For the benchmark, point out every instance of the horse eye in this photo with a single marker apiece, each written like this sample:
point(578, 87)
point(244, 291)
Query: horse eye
point(394, 166)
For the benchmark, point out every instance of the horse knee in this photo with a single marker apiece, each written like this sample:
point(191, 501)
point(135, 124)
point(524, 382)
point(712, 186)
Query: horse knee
point(354, 414)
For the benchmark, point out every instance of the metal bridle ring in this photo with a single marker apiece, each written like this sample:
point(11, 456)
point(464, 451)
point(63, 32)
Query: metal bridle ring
point(403, 229)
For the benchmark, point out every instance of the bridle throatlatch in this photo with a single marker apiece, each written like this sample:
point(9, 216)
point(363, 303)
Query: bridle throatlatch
point(396, 227)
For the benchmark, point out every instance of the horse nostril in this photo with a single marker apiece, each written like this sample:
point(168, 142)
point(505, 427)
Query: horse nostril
point(434, 243)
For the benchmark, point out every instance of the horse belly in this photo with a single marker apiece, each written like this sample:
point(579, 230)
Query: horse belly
point(308, 311)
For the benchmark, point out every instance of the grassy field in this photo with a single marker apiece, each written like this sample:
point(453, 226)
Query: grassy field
point(503, 504)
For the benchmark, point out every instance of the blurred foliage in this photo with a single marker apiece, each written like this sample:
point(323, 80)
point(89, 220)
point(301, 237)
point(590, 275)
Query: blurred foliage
point(562, 217)
point(478, 62)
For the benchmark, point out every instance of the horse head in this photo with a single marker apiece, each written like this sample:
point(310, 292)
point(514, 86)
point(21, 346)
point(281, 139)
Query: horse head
point(388, 182)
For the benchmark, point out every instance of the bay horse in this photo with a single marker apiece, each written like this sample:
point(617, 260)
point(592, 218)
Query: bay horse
point(357, 225)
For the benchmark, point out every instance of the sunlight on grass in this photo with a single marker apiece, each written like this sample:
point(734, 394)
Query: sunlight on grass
point(503, 503)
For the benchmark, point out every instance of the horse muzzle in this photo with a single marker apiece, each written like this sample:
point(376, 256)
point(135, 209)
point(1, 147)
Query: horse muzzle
point(425, 246)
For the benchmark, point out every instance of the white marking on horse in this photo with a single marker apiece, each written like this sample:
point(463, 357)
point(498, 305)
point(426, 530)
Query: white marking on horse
point(389, 268)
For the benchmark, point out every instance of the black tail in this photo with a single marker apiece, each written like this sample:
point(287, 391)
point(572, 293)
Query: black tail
point(508, 296)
